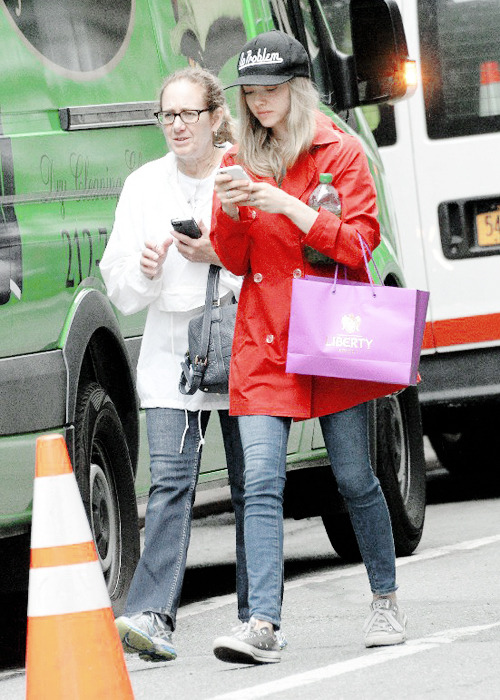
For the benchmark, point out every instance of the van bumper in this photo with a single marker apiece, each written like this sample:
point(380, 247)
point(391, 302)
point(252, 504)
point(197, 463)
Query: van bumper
point(460, 377)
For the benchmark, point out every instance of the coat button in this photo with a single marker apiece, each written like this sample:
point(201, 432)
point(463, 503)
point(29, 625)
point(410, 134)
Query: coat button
point(269, 338)
point(297, 273)
point(254, 214)
point(257, 277)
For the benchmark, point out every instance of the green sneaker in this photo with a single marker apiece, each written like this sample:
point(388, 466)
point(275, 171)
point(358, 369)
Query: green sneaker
point(385, 625)
point(146, 634)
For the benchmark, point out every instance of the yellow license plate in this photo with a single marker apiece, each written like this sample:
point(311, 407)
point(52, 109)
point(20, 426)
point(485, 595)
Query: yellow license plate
point(488, 228)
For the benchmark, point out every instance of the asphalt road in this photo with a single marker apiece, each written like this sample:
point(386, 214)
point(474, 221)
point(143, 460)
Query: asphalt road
point(449, 589)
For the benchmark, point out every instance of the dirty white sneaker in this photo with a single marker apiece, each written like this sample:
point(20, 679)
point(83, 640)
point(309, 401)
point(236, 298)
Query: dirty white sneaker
point(385, 625)
point(147, 635)
point(248, 645)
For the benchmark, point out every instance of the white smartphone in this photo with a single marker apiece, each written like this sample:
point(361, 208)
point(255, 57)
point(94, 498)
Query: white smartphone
point(236, 172)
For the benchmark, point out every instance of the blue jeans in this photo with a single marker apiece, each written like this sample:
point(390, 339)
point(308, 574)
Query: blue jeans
point(264, 441)
point(158, 578)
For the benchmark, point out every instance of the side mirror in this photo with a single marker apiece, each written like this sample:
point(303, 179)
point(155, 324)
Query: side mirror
point(380, 51)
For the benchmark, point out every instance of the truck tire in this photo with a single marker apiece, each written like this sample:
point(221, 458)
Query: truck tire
point(341, 535)
point(471, 438)
point(400, 467)
point(104, 475)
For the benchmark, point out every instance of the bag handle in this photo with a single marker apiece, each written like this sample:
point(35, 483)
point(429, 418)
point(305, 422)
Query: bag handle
point(194, 373)
point(364, 249)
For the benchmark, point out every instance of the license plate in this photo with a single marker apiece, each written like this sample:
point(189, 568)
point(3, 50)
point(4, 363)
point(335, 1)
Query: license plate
point(488, 227)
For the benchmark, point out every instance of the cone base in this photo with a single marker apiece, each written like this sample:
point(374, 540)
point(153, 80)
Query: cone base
point(78, 656)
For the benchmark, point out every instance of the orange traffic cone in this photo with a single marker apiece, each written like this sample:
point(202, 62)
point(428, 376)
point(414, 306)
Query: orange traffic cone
point(73, 650)
point(489, 90)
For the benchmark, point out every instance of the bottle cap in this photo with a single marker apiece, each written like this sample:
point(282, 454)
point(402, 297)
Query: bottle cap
point(326, 178)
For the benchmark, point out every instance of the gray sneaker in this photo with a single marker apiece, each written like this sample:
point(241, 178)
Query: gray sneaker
point(280, 635)
point(281, 639)
point(146, 634)
point(249, 645)
point(385, 625)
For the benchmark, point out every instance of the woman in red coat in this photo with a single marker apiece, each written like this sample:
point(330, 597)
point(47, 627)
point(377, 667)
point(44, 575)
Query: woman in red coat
point(260, 229)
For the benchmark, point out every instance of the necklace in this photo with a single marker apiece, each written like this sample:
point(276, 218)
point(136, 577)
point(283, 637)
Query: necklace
point(213, 160)
point(190, 185)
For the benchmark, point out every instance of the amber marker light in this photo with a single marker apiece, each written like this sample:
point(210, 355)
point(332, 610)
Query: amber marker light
point(411, 77)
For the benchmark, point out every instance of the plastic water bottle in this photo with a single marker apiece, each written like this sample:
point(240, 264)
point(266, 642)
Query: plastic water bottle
point(325, 195)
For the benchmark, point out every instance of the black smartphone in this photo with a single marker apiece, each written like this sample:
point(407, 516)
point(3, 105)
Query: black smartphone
point(187, 226)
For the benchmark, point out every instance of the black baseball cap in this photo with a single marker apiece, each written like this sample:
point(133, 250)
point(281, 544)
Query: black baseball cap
point(270, 59)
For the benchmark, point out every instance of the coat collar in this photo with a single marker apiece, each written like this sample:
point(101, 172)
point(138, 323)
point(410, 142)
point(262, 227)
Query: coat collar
point(305, 170)
point(327, 132)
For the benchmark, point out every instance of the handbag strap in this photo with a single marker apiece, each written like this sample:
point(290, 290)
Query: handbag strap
point(199, 363)
point(211, 299)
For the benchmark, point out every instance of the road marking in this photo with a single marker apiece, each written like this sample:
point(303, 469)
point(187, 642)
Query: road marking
point(356, 570)
point(412, 647)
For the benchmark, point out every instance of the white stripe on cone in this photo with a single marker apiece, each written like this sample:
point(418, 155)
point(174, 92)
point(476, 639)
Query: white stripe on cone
point(59, 590)
point(489, 90)
point(489, 100)
point(59, 517)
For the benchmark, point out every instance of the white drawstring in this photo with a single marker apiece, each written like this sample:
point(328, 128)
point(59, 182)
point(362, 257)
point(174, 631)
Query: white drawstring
point(200, 432)
point(185, 431)
point(202, 439)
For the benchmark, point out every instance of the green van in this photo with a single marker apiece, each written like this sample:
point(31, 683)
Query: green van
point(79, 87)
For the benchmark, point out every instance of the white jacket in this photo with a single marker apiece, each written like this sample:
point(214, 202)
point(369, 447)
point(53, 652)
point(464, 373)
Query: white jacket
point(150, 198)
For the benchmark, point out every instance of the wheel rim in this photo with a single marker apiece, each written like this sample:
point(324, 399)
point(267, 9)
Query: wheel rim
point(399, 448)
point(104, 516)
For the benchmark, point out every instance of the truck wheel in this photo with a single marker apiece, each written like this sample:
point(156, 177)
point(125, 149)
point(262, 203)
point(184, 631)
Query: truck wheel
point(454, 449)
point(470, 439)
point(341, 535)
point(400, 467)
point(104, 475)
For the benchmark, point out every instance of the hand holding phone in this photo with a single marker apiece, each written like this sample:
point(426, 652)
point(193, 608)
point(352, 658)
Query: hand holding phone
point(188, 227)
point(236, 172)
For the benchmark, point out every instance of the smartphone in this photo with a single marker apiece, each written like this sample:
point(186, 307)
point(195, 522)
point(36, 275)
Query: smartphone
point(236, 172)
point(187, 226)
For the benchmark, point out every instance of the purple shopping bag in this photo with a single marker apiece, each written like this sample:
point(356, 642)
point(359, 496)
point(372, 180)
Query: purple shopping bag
point(356, 330)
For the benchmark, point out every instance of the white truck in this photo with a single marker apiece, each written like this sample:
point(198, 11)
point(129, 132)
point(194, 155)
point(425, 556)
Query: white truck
point(441, 152)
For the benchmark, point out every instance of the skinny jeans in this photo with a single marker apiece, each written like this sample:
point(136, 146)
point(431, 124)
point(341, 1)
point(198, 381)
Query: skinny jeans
point(264, 440)
point(158, 578)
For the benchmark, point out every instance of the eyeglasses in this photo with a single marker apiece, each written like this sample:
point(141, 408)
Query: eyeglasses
point(188, 116)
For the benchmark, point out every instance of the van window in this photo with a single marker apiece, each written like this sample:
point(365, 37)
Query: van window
point(380, 118)
point(384, 125)
point(459, 41)
point(336, 14)
point(86, 40)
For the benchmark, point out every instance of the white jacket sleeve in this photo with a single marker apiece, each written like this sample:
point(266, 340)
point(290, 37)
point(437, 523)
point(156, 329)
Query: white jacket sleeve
point(128, 288)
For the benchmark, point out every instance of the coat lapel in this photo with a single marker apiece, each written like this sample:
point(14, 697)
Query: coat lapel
point(305, 171)
point(300, 175)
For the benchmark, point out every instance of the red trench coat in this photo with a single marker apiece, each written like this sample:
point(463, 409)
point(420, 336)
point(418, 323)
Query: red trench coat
point(268, 250)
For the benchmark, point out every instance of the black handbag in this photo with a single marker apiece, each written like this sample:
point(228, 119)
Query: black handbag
point(210, 338)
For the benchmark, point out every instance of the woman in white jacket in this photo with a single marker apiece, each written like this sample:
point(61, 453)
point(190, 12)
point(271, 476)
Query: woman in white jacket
point(147, 264)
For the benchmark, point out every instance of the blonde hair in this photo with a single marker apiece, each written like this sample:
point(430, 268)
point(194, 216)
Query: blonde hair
point(260, 151)
point(214, 95)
